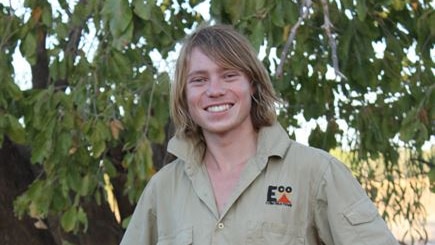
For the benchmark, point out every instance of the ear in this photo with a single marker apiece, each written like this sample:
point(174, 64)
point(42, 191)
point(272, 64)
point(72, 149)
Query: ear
point(254, 90)
point(253, 87)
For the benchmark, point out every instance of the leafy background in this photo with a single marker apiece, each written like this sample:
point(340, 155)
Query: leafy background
point(84, 138)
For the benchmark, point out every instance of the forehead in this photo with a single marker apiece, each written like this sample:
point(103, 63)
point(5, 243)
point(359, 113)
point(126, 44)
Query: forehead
point(211, 59)
point(199, 60)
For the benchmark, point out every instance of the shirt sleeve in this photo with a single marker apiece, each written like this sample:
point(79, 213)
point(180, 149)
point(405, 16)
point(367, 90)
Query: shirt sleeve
point(344, 214)
point(142, 228)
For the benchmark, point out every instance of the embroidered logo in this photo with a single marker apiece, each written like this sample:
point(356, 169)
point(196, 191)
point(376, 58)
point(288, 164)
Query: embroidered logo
point(279, 195)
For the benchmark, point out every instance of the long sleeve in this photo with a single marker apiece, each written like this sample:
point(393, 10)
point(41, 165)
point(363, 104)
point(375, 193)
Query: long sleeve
point(142, 229)
point(344, 214)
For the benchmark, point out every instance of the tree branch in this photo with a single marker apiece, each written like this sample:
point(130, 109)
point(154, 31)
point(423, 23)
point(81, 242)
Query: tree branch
point(305, 10)
point(40, 70)
point(327, 26)
point(72, 45)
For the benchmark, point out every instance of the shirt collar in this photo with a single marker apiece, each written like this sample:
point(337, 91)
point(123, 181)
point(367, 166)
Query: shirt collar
point(273, 141)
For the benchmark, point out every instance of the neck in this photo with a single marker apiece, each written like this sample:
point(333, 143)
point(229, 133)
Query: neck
point(227, 152)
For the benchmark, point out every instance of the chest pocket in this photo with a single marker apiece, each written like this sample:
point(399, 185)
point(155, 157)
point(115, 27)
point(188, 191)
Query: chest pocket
point(273, 233)
point(179, 237)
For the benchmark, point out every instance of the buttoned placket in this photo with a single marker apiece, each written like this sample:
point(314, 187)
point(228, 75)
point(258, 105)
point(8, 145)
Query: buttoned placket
point(202, 186)
point(249, 174)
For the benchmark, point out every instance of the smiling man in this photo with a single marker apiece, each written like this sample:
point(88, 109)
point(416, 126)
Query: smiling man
point(238, 178)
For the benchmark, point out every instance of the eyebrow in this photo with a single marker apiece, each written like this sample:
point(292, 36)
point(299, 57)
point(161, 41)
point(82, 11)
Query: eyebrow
point(197, 72)
point(203, 72)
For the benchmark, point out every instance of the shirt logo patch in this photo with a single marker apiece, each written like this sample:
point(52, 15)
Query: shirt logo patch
point(279, 195)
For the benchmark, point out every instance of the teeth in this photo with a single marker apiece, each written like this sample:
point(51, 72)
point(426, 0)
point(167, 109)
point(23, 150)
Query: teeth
point(218, 108)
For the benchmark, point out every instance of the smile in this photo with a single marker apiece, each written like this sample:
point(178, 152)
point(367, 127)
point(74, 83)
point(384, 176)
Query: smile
point(218, 108)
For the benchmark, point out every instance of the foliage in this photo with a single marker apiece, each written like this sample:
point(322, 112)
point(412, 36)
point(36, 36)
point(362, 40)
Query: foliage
point(88, 103)
point(96, 88)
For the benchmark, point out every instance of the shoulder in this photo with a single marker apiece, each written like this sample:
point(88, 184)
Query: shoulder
point(169, 171)
point(309, 157)
point(308, 152)
point(315, 164)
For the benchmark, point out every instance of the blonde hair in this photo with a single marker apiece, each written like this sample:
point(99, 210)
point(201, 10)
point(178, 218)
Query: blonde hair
point(229, 49)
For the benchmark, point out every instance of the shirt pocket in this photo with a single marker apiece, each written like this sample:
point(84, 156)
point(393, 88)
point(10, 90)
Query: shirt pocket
point(180, 237)
point(367, 225)
point(361, 212)
point(273, 233)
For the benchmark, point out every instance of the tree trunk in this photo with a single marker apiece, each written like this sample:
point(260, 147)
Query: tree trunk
point(15, 176)
point(16, 173)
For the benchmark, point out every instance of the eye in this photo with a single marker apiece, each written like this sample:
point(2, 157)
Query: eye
point(197, 80)
point(231, 75)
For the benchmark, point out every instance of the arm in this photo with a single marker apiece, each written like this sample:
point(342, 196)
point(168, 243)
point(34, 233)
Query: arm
point(142, 228)
point(343, 212)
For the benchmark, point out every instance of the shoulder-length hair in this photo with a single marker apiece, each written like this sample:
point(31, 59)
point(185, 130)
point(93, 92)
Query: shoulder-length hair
point(229, 49)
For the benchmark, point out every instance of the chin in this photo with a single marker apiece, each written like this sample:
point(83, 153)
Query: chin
point(217, 129)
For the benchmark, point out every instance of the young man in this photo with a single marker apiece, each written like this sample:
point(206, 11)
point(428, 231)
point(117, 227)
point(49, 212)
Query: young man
point(238, 178)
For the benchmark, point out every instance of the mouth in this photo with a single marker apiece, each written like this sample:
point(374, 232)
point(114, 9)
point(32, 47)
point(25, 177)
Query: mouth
point(218, 108)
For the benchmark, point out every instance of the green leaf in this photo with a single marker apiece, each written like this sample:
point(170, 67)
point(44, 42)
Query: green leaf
point(398, 5)
point(422, 133)
point(73, 179)
point(142, 10)
point(233, 9)
point(125, 38)
point(109, 168)
point(64, 142)
point(28, 47)
point(58, 69)
point(15, 130)
point(259, 4)
point(59, 202)
point(86, 185)
point(99, 134)
point(257, 36)
point(139, 118)
point(347, 4)
point(278, 14)
point(121, 64)
point(47, 17)
point(38, 198)
point(125, 222)
point(3, 121)
point(431, 176)
point(119, 15)
point(216, 8)
point(43, 141)
point(82, 218)
point(69, 219)
point(98, 147)
point(13, 90)
point(409, 126)
point(361, 9)
point(40, 148)
point(143, 159)
point(291, 12)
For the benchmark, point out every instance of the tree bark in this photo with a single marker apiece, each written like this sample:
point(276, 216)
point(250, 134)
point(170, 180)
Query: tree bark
point(15, 176)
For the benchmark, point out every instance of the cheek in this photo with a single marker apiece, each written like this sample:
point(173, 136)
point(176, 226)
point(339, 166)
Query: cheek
point(189, 96)
point(246, 92)
point(192, 98)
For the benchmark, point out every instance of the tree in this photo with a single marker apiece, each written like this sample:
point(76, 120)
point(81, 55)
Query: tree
point(96, 123)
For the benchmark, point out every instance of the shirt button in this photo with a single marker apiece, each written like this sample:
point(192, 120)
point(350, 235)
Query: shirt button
point(221, 226)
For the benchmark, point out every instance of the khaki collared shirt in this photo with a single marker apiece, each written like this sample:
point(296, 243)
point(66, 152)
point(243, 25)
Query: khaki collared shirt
point(287, 194)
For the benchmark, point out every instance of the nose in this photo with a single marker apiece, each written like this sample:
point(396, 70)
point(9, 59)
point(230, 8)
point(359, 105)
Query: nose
point(215, 88)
